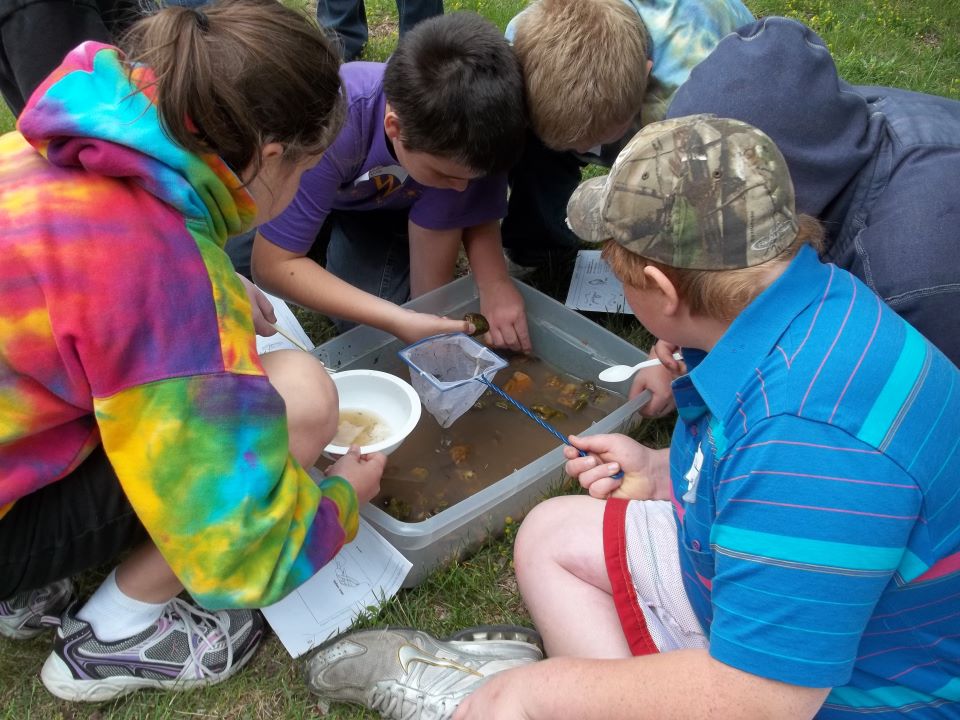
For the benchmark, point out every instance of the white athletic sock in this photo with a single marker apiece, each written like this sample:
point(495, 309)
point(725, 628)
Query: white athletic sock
point(116, 616)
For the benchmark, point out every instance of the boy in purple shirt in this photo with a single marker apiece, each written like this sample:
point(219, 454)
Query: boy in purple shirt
point(419, 168)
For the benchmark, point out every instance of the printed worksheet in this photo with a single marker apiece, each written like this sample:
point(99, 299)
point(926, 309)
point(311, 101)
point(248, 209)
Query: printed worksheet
point(594, 287)
point(288, 322)
point(363, 575)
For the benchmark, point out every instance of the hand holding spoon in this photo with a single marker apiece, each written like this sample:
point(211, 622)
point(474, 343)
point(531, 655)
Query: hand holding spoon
point(618, 373)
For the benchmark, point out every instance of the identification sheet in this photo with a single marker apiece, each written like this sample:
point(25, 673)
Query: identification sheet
point(364, 574)
point(286, 320)
point(593, 287)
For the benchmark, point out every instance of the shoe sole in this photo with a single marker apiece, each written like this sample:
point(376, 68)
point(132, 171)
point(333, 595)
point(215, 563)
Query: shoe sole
point(517, 633)
point(58, 679)
point(21, 633)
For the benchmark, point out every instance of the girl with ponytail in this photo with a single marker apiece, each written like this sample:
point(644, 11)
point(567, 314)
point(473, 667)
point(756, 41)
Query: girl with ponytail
point(135, 412)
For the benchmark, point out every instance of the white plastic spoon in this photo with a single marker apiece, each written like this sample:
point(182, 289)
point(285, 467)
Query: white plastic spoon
point(618, 373)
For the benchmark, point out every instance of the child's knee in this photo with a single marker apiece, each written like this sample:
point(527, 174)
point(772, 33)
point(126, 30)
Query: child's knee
point(562, 531)
point(539, 533)
point(310, 398)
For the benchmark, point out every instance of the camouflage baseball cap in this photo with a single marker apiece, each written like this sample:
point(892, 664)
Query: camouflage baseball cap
point(697, 192)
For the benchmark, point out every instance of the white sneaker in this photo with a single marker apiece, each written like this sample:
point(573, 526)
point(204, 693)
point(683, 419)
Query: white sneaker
point(186, 648)
point(20, 615)
point(409, 674)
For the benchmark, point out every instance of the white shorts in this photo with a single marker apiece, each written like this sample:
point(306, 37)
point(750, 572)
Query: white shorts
point(643, 564)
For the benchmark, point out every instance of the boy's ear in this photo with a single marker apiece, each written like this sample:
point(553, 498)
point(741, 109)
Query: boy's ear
point(649, 68)
point(391, 124)
point(669, 297)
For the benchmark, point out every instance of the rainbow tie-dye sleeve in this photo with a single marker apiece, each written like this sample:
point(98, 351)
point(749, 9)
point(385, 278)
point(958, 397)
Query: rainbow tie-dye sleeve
point(197, 458)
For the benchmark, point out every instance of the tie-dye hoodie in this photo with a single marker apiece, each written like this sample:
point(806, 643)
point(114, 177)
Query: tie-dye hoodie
point(123, 323)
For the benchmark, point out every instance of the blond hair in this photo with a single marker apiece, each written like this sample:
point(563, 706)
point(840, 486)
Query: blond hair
point(585, 68)
point(717, 294)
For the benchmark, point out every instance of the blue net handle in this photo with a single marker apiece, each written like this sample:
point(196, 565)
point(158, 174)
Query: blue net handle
point(536, 418)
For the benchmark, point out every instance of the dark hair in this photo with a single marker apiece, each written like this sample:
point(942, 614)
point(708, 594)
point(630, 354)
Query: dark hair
point(236, 74)
point(457, 89)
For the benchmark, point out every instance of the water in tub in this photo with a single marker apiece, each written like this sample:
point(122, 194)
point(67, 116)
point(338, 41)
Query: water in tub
point(436, 468)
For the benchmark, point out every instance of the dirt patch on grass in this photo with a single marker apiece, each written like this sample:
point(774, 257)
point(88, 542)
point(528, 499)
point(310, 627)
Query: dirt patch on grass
point(383, 28)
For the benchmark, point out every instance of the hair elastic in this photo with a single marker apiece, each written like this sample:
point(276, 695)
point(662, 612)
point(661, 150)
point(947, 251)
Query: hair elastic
point(202, 20)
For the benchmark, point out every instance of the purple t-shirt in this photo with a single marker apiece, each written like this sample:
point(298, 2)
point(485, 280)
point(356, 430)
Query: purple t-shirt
point(358, 172)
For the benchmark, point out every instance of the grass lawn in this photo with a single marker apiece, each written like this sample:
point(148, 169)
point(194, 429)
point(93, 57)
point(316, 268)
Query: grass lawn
point(915, 45)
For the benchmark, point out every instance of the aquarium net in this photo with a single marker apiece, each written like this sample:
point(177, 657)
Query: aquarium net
point(443, 369)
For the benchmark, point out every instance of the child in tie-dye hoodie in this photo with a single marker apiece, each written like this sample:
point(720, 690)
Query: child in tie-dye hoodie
point(134, 410)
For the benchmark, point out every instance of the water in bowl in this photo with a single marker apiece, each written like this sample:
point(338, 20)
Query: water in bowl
point(360, 427)
point(436, 468)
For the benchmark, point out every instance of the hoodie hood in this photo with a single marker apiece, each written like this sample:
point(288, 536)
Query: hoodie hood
point(778, 76)
point(92, 114)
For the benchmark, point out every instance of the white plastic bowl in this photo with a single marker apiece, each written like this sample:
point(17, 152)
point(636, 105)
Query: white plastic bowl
point(383, 394)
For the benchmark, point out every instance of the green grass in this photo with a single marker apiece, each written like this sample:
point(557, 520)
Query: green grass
point(915, 45)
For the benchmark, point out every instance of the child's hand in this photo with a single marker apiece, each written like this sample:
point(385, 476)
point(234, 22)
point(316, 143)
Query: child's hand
point(361, 471)
point(609, 454)
point(411, 326)
point(502, 305)
point(263, 314)
point(657, 380)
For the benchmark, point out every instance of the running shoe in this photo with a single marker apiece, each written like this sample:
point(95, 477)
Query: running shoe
point(404, 674)
point(20, 615)
point(186, 648)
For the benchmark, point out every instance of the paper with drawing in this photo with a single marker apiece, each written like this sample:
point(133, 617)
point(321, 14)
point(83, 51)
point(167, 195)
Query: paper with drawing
point(365, 573)
point(594, 287)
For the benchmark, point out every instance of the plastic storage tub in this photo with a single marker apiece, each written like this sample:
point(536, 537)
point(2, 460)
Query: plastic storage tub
point(561, 336)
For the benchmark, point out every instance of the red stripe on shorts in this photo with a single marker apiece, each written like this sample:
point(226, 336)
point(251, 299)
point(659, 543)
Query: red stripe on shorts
point(624, 596)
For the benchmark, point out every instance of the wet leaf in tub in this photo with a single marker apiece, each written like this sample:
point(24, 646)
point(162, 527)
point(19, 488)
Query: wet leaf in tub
point(518, 384)
point(459, 454)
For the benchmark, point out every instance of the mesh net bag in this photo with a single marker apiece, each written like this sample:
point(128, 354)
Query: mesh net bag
point(445, 370)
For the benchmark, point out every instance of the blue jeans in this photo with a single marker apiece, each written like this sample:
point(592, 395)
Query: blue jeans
point(370, 249)
point(348, 19)
point(535, 232)
point(35, 37)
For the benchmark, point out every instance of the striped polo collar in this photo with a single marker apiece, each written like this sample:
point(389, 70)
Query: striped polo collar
point(716, 377)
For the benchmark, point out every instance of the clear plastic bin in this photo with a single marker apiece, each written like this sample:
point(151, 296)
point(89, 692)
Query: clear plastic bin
point(562, 337)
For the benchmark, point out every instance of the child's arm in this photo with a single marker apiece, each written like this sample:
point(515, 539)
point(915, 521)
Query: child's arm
point(657, 380)
point(500, 301)
point(300, 280)
point(433, 256)
point(608, 455)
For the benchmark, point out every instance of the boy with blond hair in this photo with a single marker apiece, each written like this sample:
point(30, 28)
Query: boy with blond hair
point(595, 71)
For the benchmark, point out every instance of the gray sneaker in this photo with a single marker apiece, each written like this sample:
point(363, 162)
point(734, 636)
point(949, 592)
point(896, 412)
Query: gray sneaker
point(499, 632)
point(407, 674)
point(186, 648)
point(20, 615)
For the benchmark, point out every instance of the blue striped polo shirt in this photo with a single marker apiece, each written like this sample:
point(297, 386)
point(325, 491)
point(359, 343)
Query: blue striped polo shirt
point(820, 541)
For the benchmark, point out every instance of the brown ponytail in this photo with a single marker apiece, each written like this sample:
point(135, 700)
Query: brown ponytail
point(236, 74)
